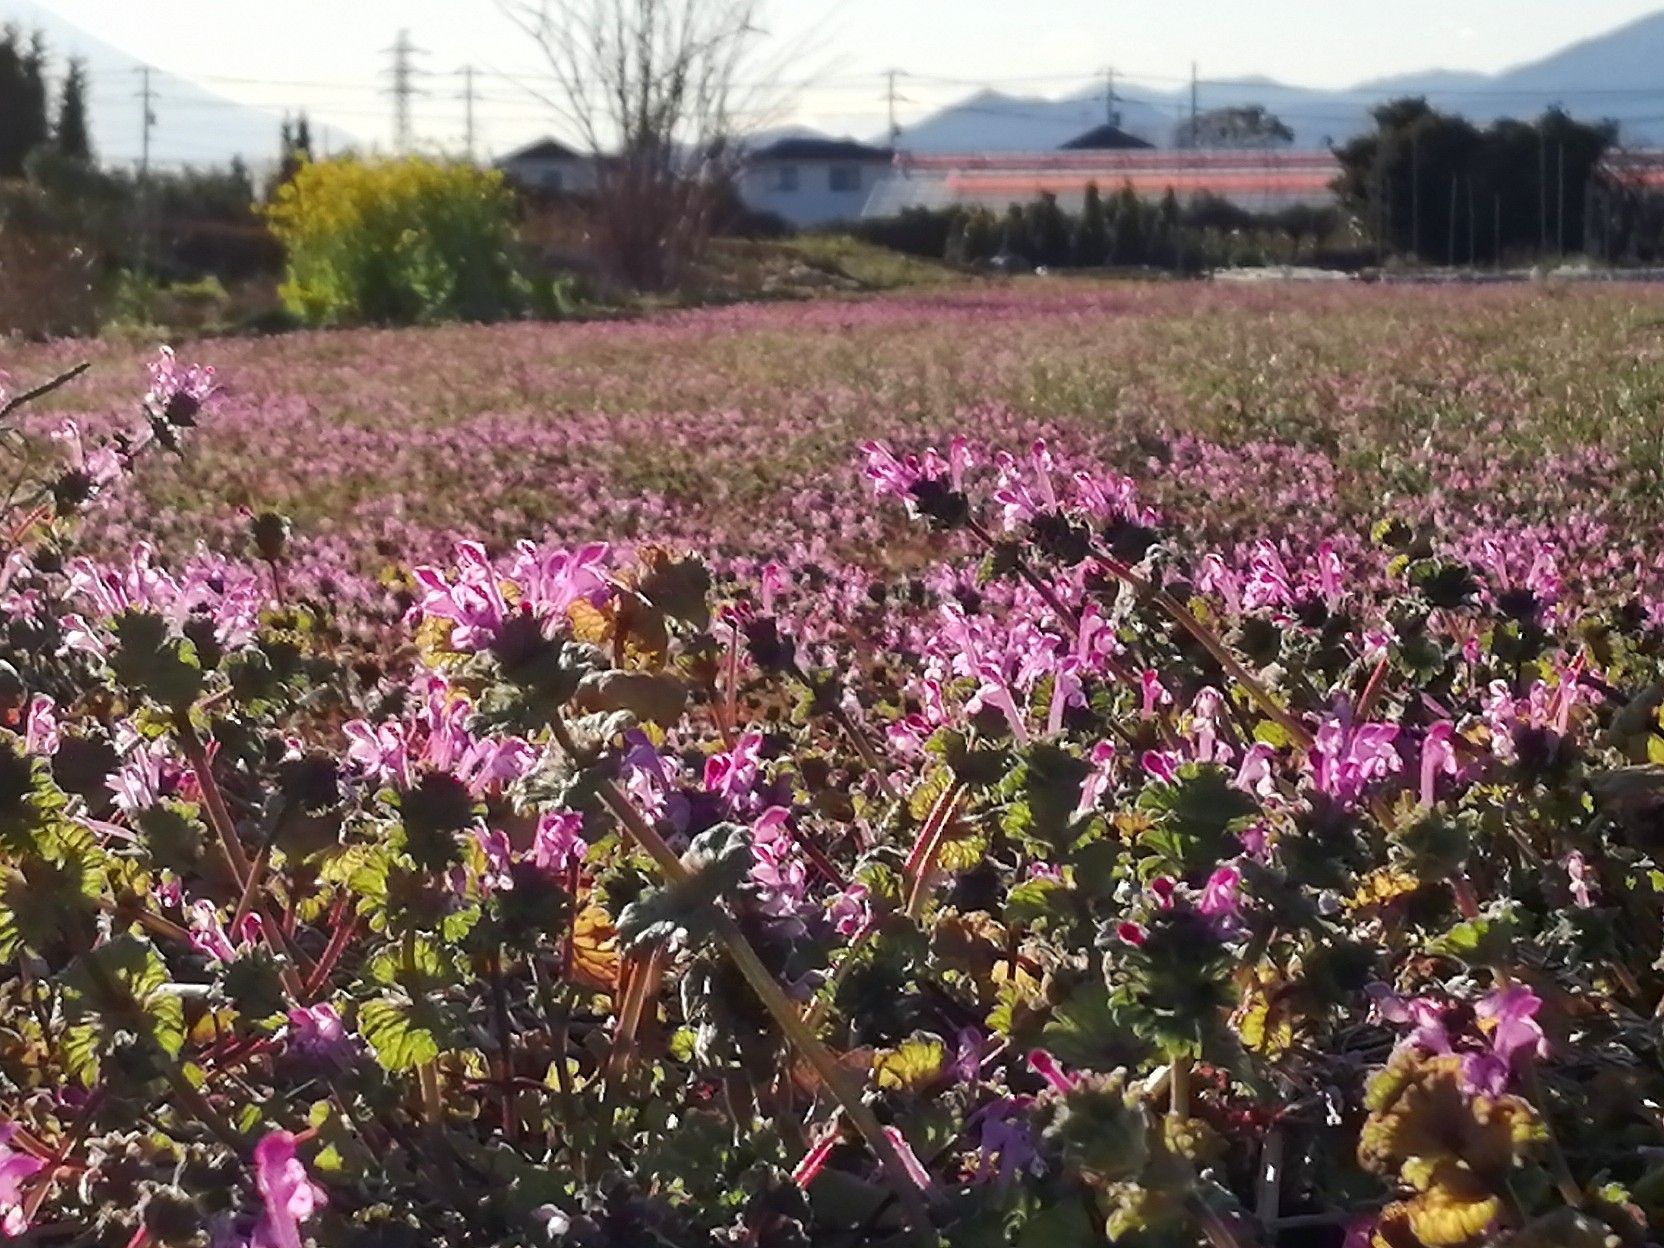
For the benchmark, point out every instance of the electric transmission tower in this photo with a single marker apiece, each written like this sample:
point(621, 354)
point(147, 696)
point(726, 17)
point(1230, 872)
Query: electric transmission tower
point(404, 73)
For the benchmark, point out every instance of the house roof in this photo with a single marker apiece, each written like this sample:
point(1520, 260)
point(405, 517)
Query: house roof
point(543, 149)
point(1105, 138)
point(809, 147)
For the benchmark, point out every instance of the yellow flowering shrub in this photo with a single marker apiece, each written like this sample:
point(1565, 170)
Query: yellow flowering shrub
point(397, 242)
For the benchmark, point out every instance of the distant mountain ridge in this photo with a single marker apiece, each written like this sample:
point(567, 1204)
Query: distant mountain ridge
point(1614, 75)
point(193, 125)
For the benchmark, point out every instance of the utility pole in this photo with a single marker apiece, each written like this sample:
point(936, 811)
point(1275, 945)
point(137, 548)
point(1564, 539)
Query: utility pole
point(147, 121)
point(1542, 187)
point(1473, 228)
point(1195, 110)
point(468, 107)
point(1110, 113)
point(895, 126)
point(1415, 193)
point(1560, 212)
point(404, 87)
point(1450, 250)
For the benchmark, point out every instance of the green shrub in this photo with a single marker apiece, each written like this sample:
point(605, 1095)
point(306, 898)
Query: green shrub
point(397, 242)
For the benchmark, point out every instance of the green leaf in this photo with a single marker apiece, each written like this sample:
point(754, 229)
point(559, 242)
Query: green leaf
point(401, 1033)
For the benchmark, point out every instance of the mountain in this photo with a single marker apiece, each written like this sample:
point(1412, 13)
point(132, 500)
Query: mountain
point(1613, 76)
point(193, 126)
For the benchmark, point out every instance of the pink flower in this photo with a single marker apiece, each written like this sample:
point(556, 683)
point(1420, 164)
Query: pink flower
point(1437, 758)
point(317, 1032)
point(559, 841)
point(40, 734)
point(1132, 933)
point(1577, 870)
point(909, 1159)
point(290, 1197)
point(850, 911)
point(1348, 757)
point(15, 1168)
point(1047, 1067)
point(1154, 693)
point(1221, 897)
point(733, 775)
point(1515, 1038)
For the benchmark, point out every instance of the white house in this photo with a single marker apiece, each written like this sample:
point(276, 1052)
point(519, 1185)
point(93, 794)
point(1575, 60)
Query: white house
point(810, 180)
point(551, 167)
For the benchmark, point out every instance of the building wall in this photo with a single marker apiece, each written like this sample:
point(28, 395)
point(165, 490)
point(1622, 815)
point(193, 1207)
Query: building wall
point(559, 176)
point(811, 192)
point(1257, 181)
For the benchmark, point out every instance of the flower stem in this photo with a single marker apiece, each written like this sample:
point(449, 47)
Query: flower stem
point(784, 1013)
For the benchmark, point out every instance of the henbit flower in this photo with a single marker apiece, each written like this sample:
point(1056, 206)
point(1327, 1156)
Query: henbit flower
point(733, 775)
point(178, 391)
point(909, 1159)
point(1154, 693)
point(317, 1033)
point(40, 731)
point(1099, 779)
point(1005, 1141)
point(1253, 773)
point(777, 869)
point(289, 1196)
point(1048, 1068)
point(15, 1168)
point(1347, 757)
point(1222, 895)
point(1514, 1036)
point(850, 911)
point(559, 841)
point(1438, 758)
point(1577, 870)
point(1423, 1015)
point(814, 1161)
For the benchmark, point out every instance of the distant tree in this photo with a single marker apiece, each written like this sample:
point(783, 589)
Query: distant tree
point(1048, 231)
point(1091, 241)
point(23, 107)
point(981, 238)
point(1014, 234)
point(1427, 182)
point(73, 134)
point(1241, 126)
point(294, 149)
point(1127, 232)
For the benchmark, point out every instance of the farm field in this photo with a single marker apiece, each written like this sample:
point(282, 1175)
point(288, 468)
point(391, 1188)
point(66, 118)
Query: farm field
point(1285, 413)
point(1028, 765)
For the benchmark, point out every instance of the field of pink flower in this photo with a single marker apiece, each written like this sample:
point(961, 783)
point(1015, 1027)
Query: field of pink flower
point(1023, 768)
point(1298, 415)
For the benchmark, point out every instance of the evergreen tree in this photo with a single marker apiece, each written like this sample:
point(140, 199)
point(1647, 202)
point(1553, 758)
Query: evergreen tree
point(981, 239)
point(22, 100)
point(1013, 237)
point(74, 137)
point(1091, 241)
point(1048, 231)
point(1128, 245)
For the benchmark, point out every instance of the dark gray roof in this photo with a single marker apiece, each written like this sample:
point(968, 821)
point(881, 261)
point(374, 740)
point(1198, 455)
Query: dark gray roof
point(806, 147)
point(1105, 138)
point(543, 149)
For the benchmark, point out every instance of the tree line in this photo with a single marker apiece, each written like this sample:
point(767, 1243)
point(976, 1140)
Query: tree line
point(32, 116)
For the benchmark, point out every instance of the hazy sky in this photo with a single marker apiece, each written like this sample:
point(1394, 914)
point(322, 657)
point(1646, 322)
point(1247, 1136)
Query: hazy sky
point(328, 54)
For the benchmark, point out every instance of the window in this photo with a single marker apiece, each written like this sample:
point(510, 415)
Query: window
point(785, 178)
point(845, 178)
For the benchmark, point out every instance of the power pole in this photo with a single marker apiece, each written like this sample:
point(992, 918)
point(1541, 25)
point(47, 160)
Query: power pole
point(1195, 111)
point(1473, 228)
point(1415, 194)
point(1560, 212)
point(1542, 187)
point(1450, 250)
point(1111, 114)
point(147, 121)
point(468, 106)
point(895, 126)
point(404, 73)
